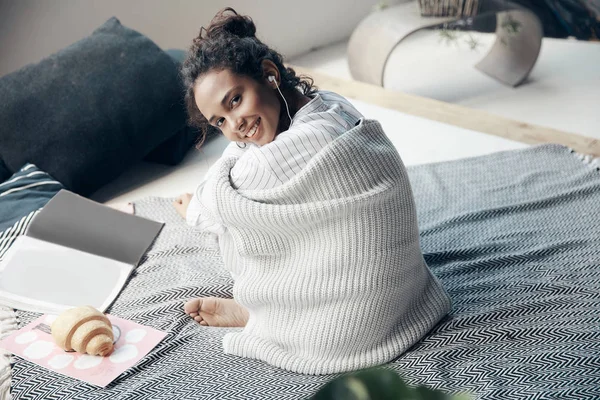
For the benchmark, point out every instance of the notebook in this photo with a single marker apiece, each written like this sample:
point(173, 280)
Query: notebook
point(74, 252)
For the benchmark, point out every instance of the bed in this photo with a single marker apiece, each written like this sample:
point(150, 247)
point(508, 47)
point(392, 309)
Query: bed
point(509, 224)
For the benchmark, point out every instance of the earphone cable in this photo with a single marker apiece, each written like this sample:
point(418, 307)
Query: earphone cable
point(286, 104)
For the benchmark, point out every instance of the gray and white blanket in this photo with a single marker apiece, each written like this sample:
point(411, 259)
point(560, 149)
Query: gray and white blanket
point(513, 236)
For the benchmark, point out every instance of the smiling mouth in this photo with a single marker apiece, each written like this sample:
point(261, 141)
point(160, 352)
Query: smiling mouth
point(254, 129)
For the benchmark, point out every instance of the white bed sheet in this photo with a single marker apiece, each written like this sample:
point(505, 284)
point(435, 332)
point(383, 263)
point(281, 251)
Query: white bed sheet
point(418, 141)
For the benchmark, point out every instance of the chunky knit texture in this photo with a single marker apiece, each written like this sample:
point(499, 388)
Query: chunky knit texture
point(329, 265)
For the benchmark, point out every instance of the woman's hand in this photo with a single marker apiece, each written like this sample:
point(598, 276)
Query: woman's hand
point(181, 204)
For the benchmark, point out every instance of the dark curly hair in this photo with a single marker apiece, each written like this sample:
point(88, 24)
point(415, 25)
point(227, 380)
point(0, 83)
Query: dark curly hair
point(230, 43)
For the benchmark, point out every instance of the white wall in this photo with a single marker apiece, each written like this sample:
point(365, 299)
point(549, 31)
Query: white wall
point(33, 29)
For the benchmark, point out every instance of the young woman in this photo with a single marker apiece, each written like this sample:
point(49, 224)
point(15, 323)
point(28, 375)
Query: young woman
point(276, 121)
point(314, 214)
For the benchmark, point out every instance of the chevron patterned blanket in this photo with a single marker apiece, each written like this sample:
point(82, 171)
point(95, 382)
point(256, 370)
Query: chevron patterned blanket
point(514, 237)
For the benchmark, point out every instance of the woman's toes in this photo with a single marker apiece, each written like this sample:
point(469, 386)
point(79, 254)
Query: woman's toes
point(193, 306)
point(213, 311)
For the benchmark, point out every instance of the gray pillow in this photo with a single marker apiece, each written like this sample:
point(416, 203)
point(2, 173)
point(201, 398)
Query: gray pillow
point(90, 111)
point(4, 171)
point(174, 149)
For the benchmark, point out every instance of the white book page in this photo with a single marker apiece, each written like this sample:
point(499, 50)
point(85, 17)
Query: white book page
point(45, 277)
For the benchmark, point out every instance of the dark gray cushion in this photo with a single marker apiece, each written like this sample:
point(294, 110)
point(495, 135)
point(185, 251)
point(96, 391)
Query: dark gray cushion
point(4, 171)
point(174, 149)
point(91, 110)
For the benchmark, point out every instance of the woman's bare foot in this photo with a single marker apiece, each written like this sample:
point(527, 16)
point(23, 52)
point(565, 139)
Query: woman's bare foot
point(215, 311)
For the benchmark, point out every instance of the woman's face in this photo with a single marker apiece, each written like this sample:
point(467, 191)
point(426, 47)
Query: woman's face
point(242, 108)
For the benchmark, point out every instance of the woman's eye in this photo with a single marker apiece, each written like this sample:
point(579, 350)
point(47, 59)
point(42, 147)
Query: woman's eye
point(235, 100)
point(220, 122)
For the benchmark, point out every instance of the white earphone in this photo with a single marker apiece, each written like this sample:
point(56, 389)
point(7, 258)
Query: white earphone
point(271, 78)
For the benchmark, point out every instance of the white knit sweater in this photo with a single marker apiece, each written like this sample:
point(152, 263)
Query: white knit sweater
point(328, 264)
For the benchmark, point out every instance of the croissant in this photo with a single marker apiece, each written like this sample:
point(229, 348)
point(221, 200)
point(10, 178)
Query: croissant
point(85, 330)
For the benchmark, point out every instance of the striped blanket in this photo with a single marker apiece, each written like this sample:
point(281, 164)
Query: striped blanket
point(21, 197)
point(513, 236)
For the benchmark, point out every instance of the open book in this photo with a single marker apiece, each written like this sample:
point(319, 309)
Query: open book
point(75, 252)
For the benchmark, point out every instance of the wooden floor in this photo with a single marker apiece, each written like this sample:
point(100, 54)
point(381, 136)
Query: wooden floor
point(452, 114)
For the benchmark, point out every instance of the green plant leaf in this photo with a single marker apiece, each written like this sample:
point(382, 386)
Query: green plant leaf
point(376, 384)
